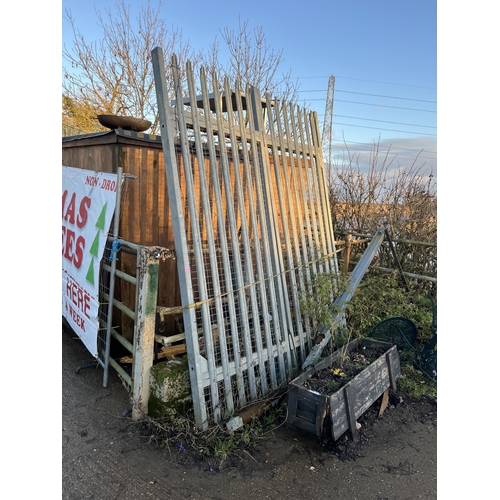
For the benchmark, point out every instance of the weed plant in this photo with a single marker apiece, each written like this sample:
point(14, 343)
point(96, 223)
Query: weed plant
point(176, 433)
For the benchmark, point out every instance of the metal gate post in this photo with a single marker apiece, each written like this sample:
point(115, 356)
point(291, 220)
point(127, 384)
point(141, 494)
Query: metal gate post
point(144, 335)
point(168, 134)
point(116, 226)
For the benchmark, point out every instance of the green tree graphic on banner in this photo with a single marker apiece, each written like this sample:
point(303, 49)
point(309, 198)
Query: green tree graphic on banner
point(94, 249)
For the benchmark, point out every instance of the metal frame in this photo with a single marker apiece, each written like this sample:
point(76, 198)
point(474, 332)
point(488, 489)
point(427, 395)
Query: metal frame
point(144, 317)
point(251, 222)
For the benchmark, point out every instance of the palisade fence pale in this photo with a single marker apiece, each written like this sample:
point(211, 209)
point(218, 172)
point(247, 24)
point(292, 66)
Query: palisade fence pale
point(252, 223)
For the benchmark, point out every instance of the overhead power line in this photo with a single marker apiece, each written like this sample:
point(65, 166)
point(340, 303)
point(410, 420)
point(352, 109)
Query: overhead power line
point(387, 129)
point(384, 121)
point(379, 105)
point(372, 95)
point(370, 81)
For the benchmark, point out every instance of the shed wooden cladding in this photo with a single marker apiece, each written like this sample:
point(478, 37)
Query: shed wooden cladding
point(145, 212)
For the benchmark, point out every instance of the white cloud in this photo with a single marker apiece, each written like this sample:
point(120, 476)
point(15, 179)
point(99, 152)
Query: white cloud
point(396, 153)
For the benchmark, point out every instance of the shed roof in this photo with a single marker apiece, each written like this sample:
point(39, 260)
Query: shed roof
point(111, 137)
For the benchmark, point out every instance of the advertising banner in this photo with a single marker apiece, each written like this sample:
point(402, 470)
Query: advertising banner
point(88, 205)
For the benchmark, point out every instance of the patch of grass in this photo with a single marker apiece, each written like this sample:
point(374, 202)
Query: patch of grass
point(415, 385)
point(274, 414)
point(334, 385)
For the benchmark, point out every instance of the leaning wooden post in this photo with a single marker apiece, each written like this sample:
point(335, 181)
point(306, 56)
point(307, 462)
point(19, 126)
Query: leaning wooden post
point(347, 254)
point(144, 335)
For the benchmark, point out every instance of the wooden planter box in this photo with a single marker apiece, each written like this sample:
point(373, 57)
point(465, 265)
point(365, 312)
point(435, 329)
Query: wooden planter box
point(313, 412)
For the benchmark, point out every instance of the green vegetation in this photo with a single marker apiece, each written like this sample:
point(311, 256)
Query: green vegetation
point(316, 302)
point(379, 296)
point(383, 295)
point(176, 431)
point(414, 385)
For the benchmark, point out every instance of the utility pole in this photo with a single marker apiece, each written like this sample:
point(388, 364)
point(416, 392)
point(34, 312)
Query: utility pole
point(326, 138)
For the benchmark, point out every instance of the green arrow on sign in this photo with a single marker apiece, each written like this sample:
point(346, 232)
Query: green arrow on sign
point(102, 217)
point(94, 249)
point(90, 272)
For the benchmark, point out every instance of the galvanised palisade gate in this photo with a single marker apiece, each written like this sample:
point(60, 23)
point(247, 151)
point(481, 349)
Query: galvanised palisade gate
point(251, 222)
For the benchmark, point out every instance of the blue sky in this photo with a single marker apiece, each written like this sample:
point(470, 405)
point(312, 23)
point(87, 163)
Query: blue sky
point(383, 56)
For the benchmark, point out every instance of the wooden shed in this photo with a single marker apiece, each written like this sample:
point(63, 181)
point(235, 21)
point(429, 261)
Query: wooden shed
point(145, 212)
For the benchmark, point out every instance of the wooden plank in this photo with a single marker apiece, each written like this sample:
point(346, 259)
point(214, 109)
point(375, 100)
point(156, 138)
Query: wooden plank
point(164, 352)
point(307, 406)
point(172, 351)
point(168, 340)
point(350, 412)
point(364, 389)
point(253, 411)
point(321, 411)
point(257, 409)
point(383, 404)
point(307, 410)
point(367, 387)
point(144, 339)
point(292, 403)
point(393, 366)
point(305, 426)
point(306, 375)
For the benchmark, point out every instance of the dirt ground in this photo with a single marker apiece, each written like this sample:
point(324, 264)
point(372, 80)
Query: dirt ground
point(107, 456)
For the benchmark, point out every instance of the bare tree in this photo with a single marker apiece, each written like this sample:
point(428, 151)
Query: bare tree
point(399, 197)
point(388, 194)
point(114, 75)
point(251, 61)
